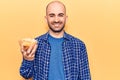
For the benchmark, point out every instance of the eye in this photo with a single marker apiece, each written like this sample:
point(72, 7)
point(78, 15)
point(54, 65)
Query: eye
point(61, 15)
point(51, 15)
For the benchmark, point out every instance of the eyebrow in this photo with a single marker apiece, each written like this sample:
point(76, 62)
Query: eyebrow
point(58, 14)
point(61, 14)
point(51, 14)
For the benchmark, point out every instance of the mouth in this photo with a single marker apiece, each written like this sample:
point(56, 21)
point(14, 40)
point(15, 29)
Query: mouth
point(57, 24)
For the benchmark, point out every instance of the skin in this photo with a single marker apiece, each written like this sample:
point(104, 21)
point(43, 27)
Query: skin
point(56, 19)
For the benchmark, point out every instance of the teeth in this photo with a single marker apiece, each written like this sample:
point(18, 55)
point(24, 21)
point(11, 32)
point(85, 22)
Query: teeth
point(56, 24)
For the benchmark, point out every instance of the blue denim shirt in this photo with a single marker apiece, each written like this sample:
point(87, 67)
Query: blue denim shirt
point(75, 60)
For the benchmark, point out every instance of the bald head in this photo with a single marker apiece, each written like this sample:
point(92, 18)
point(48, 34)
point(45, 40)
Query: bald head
point(56, 16)
point(54, 4)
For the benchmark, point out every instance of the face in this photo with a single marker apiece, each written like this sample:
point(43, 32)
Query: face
point(56, 17)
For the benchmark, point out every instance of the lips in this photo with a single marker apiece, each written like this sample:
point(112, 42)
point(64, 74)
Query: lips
point(57, 24)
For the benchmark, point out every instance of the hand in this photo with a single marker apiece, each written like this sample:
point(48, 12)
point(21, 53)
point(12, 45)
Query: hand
point(29, 54)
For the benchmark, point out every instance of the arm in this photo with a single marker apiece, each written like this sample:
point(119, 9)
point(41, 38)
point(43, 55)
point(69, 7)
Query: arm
point(84, 73)
point(26, 69)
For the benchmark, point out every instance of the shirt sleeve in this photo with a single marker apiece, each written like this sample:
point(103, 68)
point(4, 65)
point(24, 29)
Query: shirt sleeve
point(26, 69)
point(84, 73)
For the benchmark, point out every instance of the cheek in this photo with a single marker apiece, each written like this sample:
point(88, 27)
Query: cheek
point(50, 20)
point(63, 19)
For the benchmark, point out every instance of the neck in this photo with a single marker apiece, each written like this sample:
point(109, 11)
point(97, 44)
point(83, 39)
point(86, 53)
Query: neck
point(56, 34)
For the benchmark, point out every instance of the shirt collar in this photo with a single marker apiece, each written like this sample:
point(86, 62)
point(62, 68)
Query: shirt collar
point(65, 36)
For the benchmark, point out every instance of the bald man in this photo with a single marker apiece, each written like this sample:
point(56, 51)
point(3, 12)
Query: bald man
point(57, 55)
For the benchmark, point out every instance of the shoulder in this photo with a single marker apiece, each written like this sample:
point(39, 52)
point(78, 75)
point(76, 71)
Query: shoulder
point(74, 39)
point(76, 42)
point(42, 37)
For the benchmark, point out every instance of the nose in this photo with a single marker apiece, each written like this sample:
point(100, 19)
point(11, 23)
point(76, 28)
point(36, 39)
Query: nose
point(56, 19)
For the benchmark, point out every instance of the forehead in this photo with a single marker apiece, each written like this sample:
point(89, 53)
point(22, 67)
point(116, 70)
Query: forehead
point(55, 8)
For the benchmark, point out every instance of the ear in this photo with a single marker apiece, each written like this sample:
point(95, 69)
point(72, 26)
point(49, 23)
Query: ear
point(45, 18)
point(66, 18)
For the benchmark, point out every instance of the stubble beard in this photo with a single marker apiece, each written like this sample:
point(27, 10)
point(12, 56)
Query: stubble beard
point(56, 31)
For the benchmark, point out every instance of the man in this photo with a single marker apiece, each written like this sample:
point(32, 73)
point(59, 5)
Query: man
point(57, 55)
